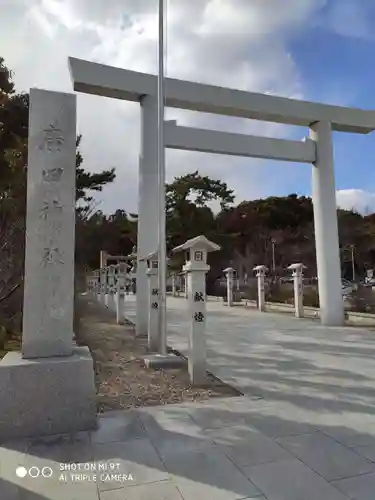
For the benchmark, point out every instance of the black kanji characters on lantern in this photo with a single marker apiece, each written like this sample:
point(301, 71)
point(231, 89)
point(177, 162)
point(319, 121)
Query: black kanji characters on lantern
point(199, 317)
point(198, 256)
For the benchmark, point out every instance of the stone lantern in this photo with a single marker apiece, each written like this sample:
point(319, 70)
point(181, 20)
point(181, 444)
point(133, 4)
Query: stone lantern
point(196, 268)
point(153, 327)
point(103, 286)
point(298, 288)
point(111, 281)
point(121, 276)
point(229, 273)
point(260, 274)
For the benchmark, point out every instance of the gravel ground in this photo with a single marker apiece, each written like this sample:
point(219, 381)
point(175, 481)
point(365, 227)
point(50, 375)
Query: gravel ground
point(122, 380)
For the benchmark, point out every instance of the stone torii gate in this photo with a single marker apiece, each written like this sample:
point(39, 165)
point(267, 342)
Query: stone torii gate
point(322, 119)
point(105, 257)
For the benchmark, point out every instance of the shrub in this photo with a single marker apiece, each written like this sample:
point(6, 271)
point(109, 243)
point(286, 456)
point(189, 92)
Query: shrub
point(361, 300)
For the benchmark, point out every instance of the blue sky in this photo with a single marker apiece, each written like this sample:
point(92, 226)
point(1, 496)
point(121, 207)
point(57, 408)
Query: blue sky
point(309, 49)
point(338, 69)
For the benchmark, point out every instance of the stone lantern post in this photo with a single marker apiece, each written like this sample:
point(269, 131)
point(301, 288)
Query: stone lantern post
point(298, 288)
point(96, 284)
point(196, 268)
point(153, 327)
point(174, 282)
point(121, 269)
point(103, 285)
point(186, 285)
point(229, 274)
point(111, 279)
point(260, 274)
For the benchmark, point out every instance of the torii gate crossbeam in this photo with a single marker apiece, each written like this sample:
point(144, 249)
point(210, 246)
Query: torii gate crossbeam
point(108, 81)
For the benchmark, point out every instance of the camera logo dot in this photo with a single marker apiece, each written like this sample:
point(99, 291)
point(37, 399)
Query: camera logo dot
point(21, 472)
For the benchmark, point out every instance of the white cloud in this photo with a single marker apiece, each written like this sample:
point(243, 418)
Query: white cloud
point(260, 18)
point(40, 18)
point(357, 199)
point(235, 43)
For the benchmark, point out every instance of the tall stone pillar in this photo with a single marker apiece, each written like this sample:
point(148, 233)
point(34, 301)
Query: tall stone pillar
point(147, 204)
point(326, 229)
point(50, 227)
point(50, 366)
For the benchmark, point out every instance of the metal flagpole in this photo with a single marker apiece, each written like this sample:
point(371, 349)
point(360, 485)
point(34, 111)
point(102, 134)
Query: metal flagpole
point(162, 254)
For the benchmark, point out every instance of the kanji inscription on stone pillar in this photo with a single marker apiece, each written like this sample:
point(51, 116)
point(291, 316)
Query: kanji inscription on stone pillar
point(50, 226)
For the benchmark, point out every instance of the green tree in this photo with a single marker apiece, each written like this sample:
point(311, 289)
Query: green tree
point(115, 233)
point(254, 224)
point(188, 214)
point(87, 181)
point(187, 206)
point(13, 136)
point(14, 118)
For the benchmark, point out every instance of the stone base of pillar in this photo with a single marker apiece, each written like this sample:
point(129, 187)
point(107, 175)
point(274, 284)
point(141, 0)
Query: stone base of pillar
point(120, 307)
point(198, 373)
point(153, 342)
point(158, 361)
point(47, 396)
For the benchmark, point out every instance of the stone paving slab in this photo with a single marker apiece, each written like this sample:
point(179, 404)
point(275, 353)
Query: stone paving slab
point(358, 488)
point(137, 458)
point(165, 490)
point(303, 431)
point(246, 446)
point(177, 457)
point(118, 427)
point(366, 451)
point(291, 480)
point(208, 474)
point(326, 456)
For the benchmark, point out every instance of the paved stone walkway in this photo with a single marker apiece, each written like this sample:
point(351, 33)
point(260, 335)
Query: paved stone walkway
point(305, 429)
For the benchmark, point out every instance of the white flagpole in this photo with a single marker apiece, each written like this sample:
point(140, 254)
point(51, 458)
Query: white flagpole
point(161, 178)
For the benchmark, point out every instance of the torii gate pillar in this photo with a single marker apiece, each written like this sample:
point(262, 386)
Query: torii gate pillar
point(147, 202)
point(326, 227)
